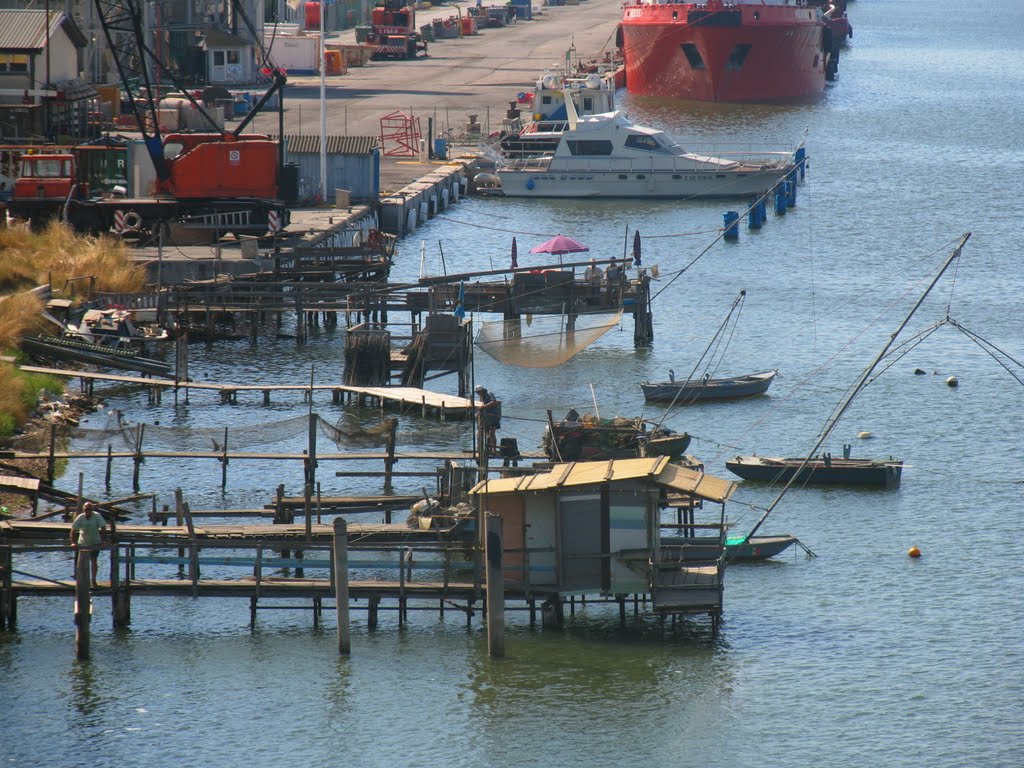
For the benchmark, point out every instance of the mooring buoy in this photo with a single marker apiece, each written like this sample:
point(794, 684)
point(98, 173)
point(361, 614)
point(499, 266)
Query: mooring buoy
point(914, 552)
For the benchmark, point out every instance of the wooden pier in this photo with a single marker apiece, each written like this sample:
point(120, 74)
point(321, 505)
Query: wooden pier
point(436, 404)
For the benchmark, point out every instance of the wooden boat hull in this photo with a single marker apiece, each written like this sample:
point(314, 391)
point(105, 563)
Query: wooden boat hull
point(861, 472)
point(578, 441)
point(684, 392)
point(756, 549)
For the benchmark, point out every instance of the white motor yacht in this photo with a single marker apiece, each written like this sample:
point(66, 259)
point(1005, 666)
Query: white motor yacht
point(606, 155)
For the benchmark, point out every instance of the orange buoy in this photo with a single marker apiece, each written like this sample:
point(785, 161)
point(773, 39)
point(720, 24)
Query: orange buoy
point(914, 552)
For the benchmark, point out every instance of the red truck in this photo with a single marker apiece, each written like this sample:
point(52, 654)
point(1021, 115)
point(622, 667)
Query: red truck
point(393, 31)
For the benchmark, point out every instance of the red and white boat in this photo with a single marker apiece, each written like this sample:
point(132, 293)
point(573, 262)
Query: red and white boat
point(753, 51)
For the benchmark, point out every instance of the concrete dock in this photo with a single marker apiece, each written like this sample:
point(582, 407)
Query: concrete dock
point(476, 75)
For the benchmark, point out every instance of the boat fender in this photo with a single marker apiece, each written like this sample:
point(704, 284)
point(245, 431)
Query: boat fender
point(132, 221)
point(530, 184)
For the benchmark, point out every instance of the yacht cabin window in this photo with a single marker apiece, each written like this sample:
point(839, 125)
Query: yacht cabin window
point(591, 147)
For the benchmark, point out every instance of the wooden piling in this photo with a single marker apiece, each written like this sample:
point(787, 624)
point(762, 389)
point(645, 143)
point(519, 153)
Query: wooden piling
point(341, 585)
point(389, 461)
point(110, 461)
point(224, 462)
point(138, 458)
point(50, 461)
point(83, 604)
point(495, 588)
point(308, 507)
point(193, 550)
point(6, 588)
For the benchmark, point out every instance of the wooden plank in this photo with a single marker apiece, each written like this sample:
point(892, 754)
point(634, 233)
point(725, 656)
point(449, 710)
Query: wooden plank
point(19, 483)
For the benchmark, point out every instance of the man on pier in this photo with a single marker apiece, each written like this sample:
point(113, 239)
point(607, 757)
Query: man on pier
point(614, 276)
point(490, 416)
point(87, 536)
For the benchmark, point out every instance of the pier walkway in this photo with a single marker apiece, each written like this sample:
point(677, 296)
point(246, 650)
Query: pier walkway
point(445, 406)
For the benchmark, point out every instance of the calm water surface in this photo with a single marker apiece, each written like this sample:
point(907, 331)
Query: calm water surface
point(858, 657)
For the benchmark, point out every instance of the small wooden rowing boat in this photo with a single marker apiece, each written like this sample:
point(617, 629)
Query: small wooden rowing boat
point(824, 470)
point(694, 390)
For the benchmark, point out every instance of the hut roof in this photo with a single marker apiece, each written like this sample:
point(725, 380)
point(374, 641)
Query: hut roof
point(658, 470)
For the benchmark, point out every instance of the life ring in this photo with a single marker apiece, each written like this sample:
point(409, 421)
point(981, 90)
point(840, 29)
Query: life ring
point(132, 221)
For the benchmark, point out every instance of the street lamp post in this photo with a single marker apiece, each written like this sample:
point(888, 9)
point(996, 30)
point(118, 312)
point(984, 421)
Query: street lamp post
point(323, 103)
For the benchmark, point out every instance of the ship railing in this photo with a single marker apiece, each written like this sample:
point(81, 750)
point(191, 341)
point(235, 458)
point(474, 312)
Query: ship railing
point(699, 163)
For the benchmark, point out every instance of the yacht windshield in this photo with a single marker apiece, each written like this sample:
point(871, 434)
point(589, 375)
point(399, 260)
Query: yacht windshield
point(648, 143)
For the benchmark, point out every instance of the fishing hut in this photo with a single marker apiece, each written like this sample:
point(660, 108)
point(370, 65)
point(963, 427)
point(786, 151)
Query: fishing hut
point(557, 290)
point(596, 528)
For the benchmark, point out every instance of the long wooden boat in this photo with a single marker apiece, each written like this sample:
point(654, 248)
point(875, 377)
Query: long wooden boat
point(589, 438)
point(824, 470)
point(694, 390)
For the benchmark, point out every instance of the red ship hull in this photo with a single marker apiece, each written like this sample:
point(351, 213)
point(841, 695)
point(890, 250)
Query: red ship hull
point(717, 52)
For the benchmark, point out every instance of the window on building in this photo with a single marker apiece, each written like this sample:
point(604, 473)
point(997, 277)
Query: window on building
point(232, 57)
point(13, 62)
point(218, 58)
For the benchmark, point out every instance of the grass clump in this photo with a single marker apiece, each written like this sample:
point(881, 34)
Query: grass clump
point(59, 256)
point(72, 265)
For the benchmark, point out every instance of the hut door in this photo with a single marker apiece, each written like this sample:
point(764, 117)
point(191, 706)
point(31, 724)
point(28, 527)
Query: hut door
point(629, 541)
point(540, 541)
point(581, 533)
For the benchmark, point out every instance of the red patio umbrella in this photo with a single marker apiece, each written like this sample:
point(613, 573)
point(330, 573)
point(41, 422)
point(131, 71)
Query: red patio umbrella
point(560, 244)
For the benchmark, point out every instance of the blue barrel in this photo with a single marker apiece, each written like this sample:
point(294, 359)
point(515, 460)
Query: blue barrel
point(790, 194)
point(780, 201)
point(800, 158)
point(441, 149)
point(732, 228)
point(754, 216)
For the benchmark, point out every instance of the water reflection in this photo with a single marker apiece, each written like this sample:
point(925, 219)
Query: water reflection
point(87, 695)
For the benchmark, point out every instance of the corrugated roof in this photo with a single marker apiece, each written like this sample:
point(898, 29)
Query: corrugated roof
point(700, 484)
point(659, 469)
point(336, 145)
point(23, 29)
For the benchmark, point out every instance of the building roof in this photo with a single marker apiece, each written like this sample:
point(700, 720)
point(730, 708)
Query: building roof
point(22, 29)
point(221, 38)
point(76, 89)
point(658, 470)
point(300, 144)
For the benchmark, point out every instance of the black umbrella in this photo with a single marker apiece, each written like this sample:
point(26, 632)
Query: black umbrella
point(636, 248)
point(515, 255)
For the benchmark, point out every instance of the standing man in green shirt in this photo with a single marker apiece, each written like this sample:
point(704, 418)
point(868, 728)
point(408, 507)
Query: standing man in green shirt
point(86, 536)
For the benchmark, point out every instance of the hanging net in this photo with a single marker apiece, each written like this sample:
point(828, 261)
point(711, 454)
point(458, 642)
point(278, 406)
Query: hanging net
point(544, 341)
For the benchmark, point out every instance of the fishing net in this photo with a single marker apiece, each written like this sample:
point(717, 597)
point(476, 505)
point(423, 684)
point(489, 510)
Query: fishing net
point(547, 340)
